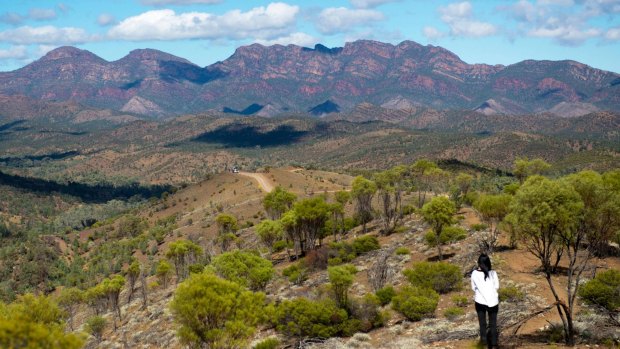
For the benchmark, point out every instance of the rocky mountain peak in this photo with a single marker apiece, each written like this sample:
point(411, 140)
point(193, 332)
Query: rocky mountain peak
point(70, 52)
point(152, 55)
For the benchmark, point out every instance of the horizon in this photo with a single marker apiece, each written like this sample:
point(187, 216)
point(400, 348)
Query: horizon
point(206, 31)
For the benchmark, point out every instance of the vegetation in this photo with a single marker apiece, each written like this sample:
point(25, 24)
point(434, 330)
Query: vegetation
point(341, 278)
point(438, 213)
point(439, 276)
point(363, 190)
point(510, 294)
point(301, 318)
point(215, 313)
point(244, 268)
point(603, 290)
point(415, 303)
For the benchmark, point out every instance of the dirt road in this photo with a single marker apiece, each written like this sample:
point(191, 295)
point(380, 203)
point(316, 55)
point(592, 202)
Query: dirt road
point(264, 182)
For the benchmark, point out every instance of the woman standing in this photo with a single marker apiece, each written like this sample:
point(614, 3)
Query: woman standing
point(484, 283)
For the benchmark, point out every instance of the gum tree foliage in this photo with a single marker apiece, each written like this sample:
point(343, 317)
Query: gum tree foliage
point(438, 213)
point(245, 268)
point(341, 278)
point(35, 322)
point(278, 201)
point(269, 232)
point(216, 313)
point(390, 186)
point(183, 253)
point(69, 300)
point(363, 190)
point(95, 326)
point(493, 209)
point(547, 215)
point(163, 272)
point(524, 168)
point(227, 228)
point(305, 223)
point(423, 172)
point(132, 274)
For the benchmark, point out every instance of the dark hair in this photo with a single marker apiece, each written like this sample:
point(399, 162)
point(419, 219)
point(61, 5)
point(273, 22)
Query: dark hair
point(484, 263)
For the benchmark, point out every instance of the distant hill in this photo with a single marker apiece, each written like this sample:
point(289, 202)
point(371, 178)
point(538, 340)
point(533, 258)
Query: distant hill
point(299, 79)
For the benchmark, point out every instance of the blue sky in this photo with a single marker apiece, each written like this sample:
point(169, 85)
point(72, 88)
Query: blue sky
point(205, 31)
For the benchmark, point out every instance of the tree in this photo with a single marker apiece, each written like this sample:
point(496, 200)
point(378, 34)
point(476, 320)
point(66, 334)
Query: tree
point(524, 168)
point(112, 289)
point(132, 273)
point(269, 232)
point(438, 213)
point(35, 322)
point(183, 253)
point(463, 183)
point(216, 313)
point(163, 271)
point(278, 201)
point(363, 190)
point(245, 268)
point(421, 171)
point(493, 209)
point(547, 214)
point(95, 326)
point(227, 229)
point(131, 226)
point(341, 278)
point(311, 216)
point(390, 187)
point(70, 300)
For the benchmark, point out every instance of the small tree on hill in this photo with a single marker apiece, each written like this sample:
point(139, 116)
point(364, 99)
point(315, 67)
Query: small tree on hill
point(390, 187)
point(183, 253)
point(278, 201)
point(363, 190)
point(269, 232)
point(132, 274)
point(70, 300)
point(341, 278)
point(493, 209)
point(438, 213)
point(216, 313)
point(524, 168)
point(227, 227)
point(421, 171)
point(163, 271)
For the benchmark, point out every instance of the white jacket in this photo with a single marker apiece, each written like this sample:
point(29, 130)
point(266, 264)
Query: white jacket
point(485, 291)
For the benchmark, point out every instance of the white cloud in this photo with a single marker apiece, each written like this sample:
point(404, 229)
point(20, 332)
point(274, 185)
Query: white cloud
point(613, 34)
point(14, 52)
point(566, 34)
point(459, 17)
point(178, 2)
point(432, 33)
point(369, 3)
point(298, 38)
point(42, 50)
point(45, 35)
point(11, 18)
point(41, 14)
point(105, 19)
point(334, 20)
point(266, 23)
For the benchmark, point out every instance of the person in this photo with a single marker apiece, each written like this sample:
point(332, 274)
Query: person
point(485, 283)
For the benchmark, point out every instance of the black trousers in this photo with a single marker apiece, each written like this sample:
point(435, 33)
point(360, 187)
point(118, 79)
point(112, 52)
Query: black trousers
point(482, 311)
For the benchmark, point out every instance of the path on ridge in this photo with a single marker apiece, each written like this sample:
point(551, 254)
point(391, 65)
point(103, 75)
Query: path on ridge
point(264, 182)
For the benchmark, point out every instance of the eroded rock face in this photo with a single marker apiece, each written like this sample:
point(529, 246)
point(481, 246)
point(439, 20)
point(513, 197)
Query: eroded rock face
point(297, 78)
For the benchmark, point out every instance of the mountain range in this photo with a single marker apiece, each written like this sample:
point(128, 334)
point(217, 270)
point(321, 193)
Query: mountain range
point(266, 81)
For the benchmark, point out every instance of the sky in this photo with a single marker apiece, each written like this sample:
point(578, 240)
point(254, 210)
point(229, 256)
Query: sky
point(206, 31)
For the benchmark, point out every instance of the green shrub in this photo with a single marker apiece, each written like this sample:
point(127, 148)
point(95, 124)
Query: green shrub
point(479, 226)
point(510, 294)
point(385, 294)
point(365, 244)
point(341, 251)
point(366, 310)
point(269, 343)
point(402, 251)
point(603, 290)
point(460, 301)
point(452, 313)
point(295, 273)
point(448, 235)
point(280, 245)
point(95, 326)
point(440, 276)
point(244, 268)
point(301, 318)
point(415, 302)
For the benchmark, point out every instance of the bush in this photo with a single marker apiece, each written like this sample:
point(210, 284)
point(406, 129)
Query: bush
point(385, 294)
point(244, 268)
point(440, 276)
point(448, 235)
point(479, 226)
point(460, 301)
point(295, 273)
point(402, 251)
point(366, 310)
point(301, 318)
point(95, 326)
point(341, 252)
point(452, 313)
point(317, 259)
point(603, 290)
point(365, 244)
point(280, 245)
point(415, 302)
point(269, 343)
point(510, 294)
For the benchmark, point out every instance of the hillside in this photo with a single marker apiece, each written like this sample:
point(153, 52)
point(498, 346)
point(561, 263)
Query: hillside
point(279, 79)
point(192, 212)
